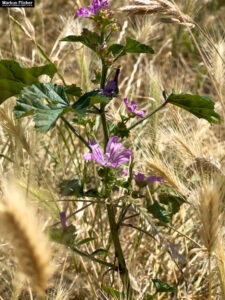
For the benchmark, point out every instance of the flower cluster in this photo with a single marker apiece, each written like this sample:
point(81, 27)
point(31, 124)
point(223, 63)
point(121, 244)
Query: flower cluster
point(113, 157)
point(92, 9)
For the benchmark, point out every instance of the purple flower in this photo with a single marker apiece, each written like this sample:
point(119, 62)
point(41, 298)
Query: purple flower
point(125, 173)
point(62, 215)
point(142, 181)
point(132, 108)
point(111, 88)
point(92, 9)
point(113, 157)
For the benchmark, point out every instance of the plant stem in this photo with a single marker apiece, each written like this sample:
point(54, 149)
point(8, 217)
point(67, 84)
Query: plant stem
point(75, 132)
point(149, 115)
point(102, 106)
point(89, 256)
point(119, 252)
point(104, 125)
point(210, 275)
point(110, 207)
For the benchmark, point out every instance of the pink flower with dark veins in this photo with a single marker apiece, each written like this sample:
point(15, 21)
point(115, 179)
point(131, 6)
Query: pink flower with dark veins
point(132, 108)
point(113, 156)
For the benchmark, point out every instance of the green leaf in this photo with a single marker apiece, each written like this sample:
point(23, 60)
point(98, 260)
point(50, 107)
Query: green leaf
point(91, 193)
point(14, 77)
point(117, 49)
point(159, 212)
point(65, 236)
point(88, 38)
point(113, 293)
point(173, 202)
point(49, 70)
point(73, 187)
point(133, 46)
point(162, 286)
point(73, 90)
point(46, 102)
point(201, 107)
point(85, 101)
point(99, 99)
point(99, 251)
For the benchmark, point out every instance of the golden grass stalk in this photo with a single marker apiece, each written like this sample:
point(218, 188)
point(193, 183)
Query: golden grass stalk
point(214, 51)
point(19, 225)
point(160, 166)
point(220, 262)
point(209, 198)
point(202, 166)
point(164, 9)
point(209, 205)
point(13, 129)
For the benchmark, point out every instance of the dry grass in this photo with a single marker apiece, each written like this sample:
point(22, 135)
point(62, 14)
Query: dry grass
point(167, 11)
point(188, 153)
point(20, 227)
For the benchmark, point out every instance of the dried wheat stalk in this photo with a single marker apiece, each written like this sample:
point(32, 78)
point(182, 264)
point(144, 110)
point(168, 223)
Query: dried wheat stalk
point(19, 225)
point(166, 10)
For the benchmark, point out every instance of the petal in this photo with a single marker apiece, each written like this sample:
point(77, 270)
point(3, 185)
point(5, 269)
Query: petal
point(112, 148)
point(139, 176)
point(97, 5)
point(110, 89)
point(133, 106)
point(88, 156)
point(62, 215)
point(140, 113)
point(104, 4)
point(97, 153)
point(110, 164)
point(122, 157)
point(125, 100)
point(83, 12)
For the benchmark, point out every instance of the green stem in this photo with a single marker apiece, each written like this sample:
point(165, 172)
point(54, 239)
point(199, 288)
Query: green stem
point(104, 125)
point(110, 208)
point(104, 74)
point(102, 106)
point(75, 132)
point(89, 256)
point(119, 252)
point(149, 115)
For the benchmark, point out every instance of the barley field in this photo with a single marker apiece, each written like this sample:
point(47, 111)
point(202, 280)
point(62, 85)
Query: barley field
point(112, 150)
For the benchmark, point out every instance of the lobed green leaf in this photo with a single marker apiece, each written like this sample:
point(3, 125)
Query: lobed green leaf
point(14, 77)
point(201, 107)
point(46, 102)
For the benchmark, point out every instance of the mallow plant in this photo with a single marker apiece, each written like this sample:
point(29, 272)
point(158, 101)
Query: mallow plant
point(50, 104)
